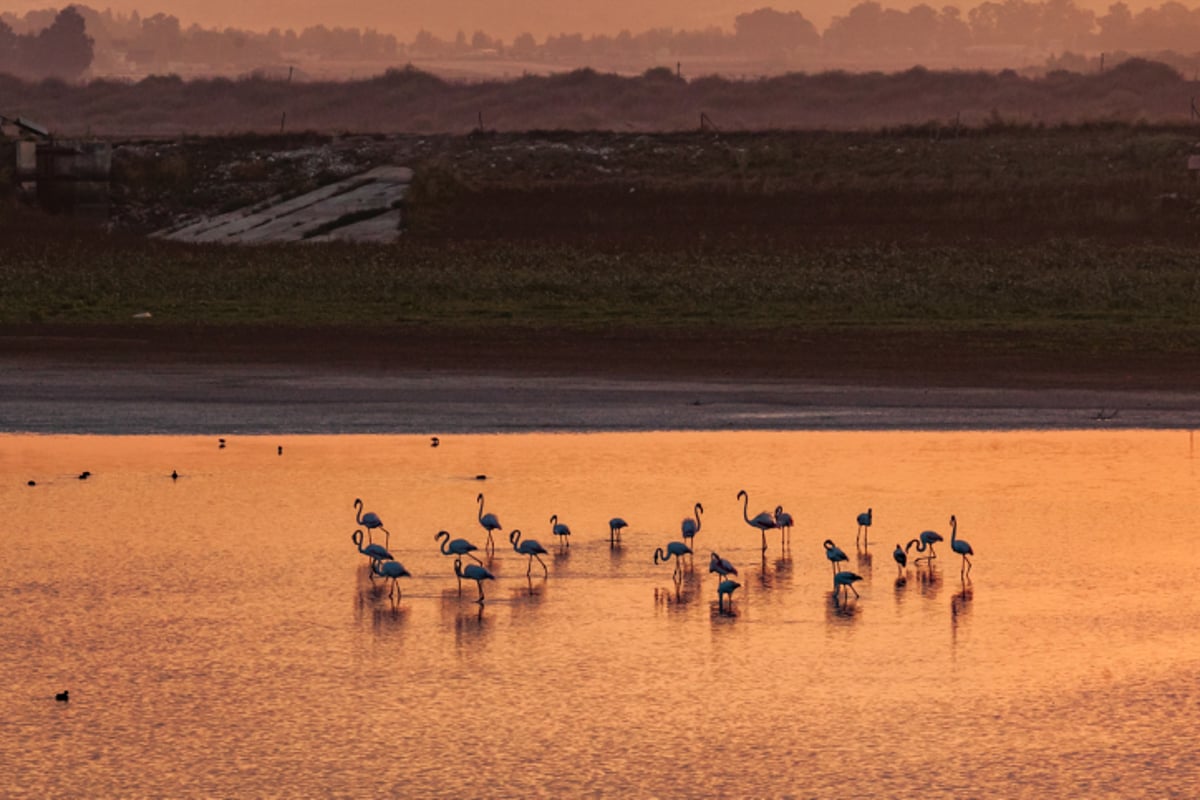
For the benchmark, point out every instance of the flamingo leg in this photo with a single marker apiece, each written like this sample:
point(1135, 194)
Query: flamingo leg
point(764, 540)
point(543, 563)
point(480, 585)
point(529, 569)
point(477, 561)
point(491, 546)
point(387, 539)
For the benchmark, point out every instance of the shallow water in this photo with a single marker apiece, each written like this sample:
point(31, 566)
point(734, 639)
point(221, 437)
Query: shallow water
point(220, 635)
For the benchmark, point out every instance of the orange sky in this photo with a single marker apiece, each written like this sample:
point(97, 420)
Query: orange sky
point(505, 19)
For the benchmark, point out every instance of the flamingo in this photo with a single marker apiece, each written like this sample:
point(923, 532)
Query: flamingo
point(691, 525)
point(473, 572)
point(456, 547)
point(560, 530)
point(373, 551)
point(783, 521)
point(962, 547)
point(614, 529)
point(725, 589)
point(677, 549)
point(763, 521)
point(925, 541)
point(845, 580)
point(722, 566)
point(901, 558)
point(529, 547)
point(390, 570)
point(489, 523)
point(370, 520)
point(864, 526)
point(834, 554)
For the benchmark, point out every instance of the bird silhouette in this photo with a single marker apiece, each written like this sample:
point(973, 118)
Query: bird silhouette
point(489, 523)
point(843, 581)
point(615, 526)
point(762, 521)
point(783, 521)
point(676, 549)
point(901, 558)
point(560, 530)
point(472, 572)
point(375, 552)
point(530, 547)
point(63, 696)
point(924, 542)
point(723, 567)
point(370, 520)
point(391, 571)
point(962, 547)
point(725, 589)
point(864, 527)
point(691, 525)
point(456, 547)
point(834, 554)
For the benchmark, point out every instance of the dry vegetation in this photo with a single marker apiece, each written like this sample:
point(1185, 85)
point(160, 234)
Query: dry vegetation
point(1074, 239)
point(410, 101)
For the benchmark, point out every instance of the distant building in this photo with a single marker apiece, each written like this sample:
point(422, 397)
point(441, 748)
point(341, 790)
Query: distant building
point(64, 176)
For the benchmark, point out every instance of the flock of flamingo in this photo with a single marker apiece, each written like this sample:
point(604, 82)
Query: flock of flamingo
point(384, 565)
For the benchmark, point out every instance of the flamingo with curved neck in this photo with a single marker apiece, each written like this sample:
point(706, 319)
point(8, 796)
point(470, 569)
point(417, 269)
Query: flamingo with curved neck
point(490, 523)
point(762, 521)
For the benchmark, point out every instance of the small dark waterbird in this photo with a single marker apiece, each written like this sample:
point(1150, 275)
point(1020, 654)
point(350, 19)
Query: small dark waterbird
point(901, 558)
point(615, 526)
point(64, 696)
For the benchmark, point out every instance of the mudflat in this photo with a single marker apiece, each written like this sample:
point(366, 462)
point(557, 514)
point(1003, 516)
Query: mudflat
point(131, 378)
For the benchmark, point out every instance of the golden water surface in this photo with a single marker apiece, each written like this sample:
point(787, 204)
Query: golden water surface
point(220, 635)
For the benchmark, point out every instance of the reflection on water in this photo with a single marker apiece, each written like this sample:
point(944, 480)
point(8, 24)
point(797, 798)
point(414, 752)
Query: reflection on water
point(221, 636)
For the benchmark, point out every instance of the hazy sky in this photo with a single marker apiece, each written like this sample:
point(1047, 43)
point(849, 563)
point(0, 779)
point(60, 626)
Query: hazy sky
point(504, 18)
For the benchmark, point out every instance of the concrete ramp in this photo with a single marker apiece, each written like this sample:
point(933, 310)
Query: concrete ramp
point(363, 207)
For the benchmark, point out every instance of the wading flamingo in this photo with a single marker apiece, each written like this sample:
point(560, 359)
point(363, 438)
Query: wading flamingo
point(843, 581)
point(489, 523)
point(677, 549)
point(722, 566)
point(834, 554)
point(725, 589)
point(926, 540)
point(472, 572)
point(962, 547)
point(390, 570)
point(901, 558)
point(455, 547)
point(560, 530)
point(529, 547)
point(763, 521)
point(375, 552)
point(691, 525)
point(615, 525)
point(783, 521)
point(370, 520)
point(864, 527)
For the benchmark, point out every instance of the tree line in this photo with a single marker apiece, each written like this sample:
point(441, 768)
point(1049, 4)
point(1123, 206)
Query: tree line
point(65, 43)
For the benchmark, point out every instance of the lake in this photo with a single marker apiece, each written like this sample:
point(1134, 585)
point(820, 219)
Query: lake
point(220, 635)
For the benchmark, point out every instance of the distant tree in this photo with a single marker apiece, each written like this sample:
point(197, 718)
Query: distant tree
point(524, 45)
point(63, 50)
point(9, 48)
point(768, 31)
point(1116, 27)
